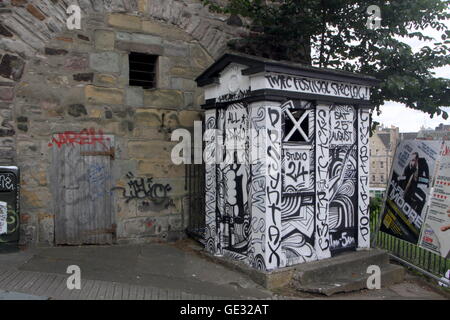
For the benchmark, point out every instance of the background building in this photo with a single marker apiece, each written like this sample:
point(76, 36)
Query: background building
point(442, 132)
point(382, 149)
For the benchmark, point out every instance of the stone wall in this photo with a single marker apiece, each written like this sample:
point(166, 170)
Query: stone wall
point(53, 80)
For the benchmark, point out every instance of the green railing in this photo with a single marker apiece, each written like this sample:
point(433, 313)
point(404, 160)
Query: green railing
point(408, 252)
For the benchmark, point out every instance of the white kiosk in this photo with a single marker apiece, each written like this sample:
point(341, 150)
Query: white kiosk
point(300, 191)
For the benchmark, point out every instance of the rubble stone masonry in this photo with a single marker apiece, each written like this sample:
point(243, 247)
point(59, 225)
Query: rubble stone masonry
point(53, 80)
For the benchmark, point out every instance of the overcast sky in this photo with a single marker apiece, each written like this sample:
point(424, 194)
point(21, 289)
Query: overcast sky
point(409, 120)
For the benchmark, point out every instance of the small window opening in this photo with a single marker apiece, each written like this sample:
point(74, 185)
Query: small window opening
point(296, 125)
point(143, 70)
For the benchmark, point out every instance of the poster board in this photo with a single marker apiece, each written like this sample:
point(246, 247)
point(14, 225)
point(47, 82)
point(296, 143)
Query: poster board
point(409, 189)
point(435, 235)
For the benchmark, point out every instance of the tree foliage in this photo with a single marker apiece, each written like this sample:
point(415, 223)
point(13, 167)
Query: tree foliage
point(334, 34)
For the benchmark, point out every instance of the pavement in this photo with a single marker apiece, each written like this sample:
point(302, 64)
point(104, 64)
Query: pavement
point(174, 271)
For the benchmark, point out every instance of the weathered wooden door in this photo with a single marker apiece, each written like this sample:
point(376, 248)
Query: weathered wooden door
point(82, 183)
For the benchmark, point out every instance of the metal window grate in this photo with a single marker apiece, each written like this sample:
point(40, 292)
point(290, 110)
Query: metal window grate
point(143, 70)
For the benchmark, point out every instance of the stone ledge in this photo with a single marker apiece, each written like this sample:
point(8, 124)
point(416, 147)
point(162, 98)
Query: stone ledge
point(269, 280)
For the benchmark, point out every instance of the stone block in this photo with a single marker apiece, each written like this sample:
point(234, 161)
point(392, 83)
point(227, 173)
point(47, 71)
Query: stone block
point(142, 131)
point(7, 155)
point(160, 170)
point(27, 234)
point(98, 95)
point(165, 31)
point(104, 40)
point(40, 128)
point(38, 14)
point(157, 151)
point(46, 227)
point(144, 227)
point(105, 80)
point(164, 64)
point(188, 99)
point(58, 80)
point(157, 207)
point(115, 128)
point(51, 109)
point(183, 84)
point(176, 49)
point(84, 77)
point(163, 98)
point(55, 52)
point(139, 38)
point(34, 174)
point(22, 127)
point(5, 32)
point(35, 198)
point(105, 62)
point(77, 110)
point(185, 72)
point(76, 63)
point(124, 210)
point(28, 148)
point(177, 186)
point(200, 58)
point(65, 39)
point(176, 223)
point(124, 21)
point(11, 67)
point(134, 97)
point(142, 5)
point(140, 47)
point(6, 93)
point(83, 37)
point(148, 117)
point(187, 118)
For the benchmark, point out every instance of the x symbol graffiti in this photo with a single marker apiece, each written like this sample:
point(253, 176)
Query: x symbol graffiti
point(297, 125)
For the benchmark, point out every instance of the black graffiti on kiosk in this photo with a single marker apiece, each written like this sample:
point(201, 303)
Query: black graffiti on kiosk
point(145, 189)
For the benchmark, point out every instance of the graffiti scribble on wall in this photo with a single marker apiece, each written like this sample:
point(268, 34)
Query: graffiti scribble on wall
point(84, 137)
point(323, 136)
point(235, 180)
point(343, 177)
point(6, 182)
point(363, 193)
point(273, 188)
point(153, 195)
point(296, 201)
point(298, 186)
point(98, 178)
point(212, 242)
point(258, 189)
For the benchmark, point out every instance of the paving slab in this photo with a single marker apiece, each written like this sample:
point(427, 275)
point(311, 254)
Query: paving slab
point(7, 295)
point(152, 271)
point(161, 266)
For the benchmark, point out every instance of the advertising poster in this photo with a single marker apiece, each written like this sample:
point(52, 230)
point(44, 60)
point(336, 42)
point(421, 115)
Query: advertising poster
point(435, 235)
point(409, 189)
point(3, 217)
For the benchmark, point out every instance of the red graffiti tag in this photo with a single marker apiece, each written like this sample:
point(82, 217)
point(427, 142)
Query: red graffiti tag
point(85, 137)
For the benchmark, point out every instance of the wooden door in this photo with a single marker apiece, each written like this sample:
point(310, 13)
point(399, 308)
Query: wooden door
point(82, 181)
